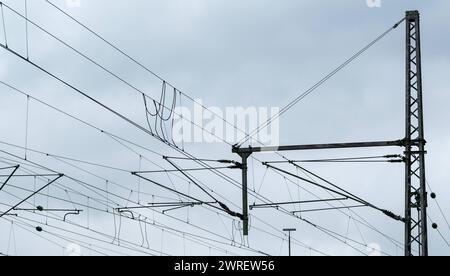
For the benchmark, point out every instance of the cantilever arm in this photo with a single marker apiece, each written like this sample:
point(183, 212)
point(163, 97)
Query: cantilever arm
point(9, 177)
point(30, 196)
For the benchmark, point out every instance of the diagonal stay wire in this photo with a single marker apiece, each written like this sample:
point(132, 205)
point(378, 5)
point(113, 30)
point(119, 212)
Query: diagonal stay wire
point(363, 222)
point(318, 84)
point(439, 207)
point(439, 232)
point(368, 225)
point(4, 24)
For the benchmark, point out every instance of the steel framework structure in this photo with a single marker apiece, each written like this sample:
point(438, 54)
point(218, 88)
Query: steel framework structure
point(415, 220)
point(415, 182)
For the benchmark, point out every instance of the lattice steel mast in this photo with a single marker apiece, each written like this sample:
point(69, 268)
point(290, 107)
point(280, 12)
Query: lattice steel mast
point(416, 232)
point(415, 183)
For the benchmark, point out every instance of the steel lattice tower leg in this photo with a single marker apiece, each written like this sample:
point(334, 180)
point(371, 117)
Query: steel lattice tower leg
point(416, 242)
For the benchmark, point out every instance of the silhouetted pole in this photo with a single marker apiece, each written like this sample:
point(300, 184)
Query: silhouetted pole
point(416, 237)
point(289, 230)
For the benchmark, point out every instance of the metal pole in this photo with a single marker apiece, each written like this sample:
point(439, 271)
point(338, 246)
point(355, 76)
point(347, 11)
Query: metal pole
point(244, 167)
point(290, 254)
point(289, 230)
point(416, 237)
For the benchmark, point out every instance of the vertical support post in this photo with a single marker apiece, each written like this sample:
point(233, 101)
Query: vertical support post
point(289, 230)
point(416, 240)
point(290, 253)
point(245, 157)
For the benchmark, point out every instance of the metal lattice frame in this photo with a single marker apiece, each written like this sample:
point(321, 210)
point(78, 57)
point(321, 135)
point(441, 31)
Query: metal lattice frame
point(416, 197)
point(416, 240)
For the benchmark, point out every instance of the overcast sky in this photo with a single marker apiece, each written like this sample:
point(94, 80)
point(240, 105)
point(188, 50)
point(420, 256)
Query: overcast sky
point(228, 53)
